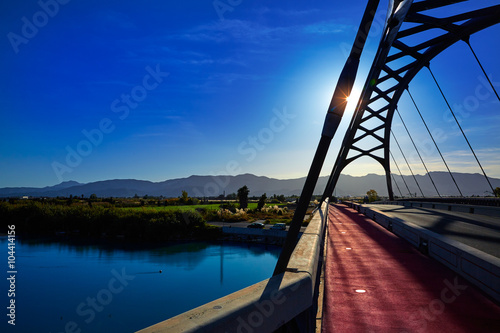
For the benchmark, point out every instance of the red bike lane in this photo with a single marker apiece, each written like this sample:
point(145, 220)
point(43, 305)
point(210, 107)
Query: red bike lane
point(377, 282)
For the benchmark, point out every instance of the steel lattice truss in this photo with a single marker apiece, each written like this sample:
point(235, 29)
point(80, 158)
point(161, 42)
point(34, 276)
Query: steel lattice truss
point(396, 63)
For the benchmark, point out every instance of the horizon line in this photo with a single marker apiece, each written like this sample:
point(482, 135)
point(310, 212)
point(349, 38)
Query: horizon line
point(243, 174)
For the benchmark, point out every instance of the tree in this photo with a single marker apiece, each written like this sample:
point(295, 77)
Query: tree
point(93, 196)
point(262, 201)
point(243, 196)
point(372, 195)
point(184, 197)
point(496, 192)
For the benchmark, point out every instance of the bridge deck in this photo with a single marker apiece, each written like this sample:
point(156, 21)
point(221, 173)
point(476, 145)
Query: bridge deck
point(405, 291)
point(479, 231)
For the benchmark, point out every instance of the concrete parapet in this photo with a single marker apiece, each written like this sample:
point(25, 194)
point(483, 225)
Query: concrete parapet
point(255, 232)
point(478, 267)
point(262, 307)
point(267, 305)
point(471, 209)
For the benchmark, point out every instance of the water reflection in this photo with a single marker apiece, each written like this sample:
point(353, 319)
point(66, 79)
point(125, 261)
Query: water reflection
point(193, 253)
point(68, 274)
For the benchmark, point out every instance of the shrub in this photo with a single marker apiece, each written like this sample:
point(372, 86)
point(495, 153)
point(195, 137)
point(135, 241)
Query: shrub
point(35, 218)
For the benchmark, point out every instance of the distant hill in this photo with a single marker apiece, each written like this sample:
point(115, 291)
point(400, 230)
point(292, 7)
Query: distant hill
point(210, 186)
point(470, 184)
point(33, 191)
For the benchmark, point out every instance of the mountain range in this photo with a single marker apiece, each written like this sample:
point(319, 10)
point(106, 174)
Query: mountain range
point(212, 186)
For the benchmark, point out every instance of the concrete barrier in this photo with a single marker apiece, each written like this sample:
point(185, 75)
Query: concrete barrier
point(471, 209)
point(255, 232)
point(478, 267)
point(267, 305)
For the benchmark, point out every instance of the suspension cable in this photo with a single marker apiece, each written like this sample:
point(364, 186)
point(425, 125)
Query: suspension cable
point(420, 156)
point(435, 144)
point(394, 180)
point(463, 133)
point(408, 164)
point(467, 40)
point(404, 181)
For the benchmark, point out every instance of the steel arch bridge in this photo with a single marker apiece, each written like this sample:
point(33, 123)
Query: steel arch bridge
point(396, 63)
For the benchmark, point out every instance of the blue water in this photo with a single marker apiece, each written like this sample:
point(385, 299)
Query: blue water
point(69, 288)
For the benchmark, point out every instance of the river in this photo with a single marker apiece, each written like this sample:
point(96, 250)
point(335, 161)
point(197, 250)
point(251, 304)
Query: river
point(62, 287)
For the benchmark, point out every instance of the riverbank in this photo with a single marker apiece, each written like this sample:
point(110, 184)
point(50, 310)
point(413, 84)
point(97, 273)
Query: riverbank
point(35, 219)
point(75, 219)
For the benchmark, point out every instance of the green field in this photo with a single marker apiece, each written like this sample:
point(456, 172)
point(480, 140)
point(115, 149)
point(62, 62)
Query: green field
point(170, 208)
point(102, 219)
point(251, 205)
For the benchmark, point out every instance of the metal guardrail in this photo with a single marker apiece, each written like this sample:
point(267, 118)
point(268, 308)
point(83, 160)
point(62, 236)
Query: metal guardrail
point(285, 303)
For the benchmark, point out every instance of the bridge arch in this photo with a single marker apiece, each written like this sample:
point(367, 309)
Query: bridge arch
point(395, 65)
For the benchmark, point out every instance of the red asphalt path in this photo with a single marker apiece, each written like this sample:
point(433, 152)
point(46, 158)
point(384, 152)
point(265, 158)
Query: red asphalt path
point(404, 290)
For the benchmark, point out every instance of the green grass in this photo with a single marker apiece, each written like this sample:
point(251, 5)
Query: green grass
point(103, 219)
point(172, 208)
point(282, 220)
point(146, 224)
point(251, 205)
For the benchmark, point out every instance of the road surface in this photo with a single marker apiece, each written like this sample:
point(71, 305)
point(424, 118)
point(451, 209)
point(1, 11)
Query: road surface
point(478, 231)
point(377, 282)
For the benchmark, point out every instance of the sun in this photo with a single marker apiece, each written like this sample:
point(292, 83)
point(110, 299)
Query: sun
point(353, 97)
point(350, 99)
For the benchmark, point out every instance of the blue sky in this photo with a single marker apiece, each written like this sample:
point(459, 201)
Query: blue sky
point(156, 90)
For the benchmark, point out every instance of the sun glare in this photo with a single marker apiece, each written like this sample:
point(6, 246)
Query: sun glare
point(353, 97)
point(350, 98)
